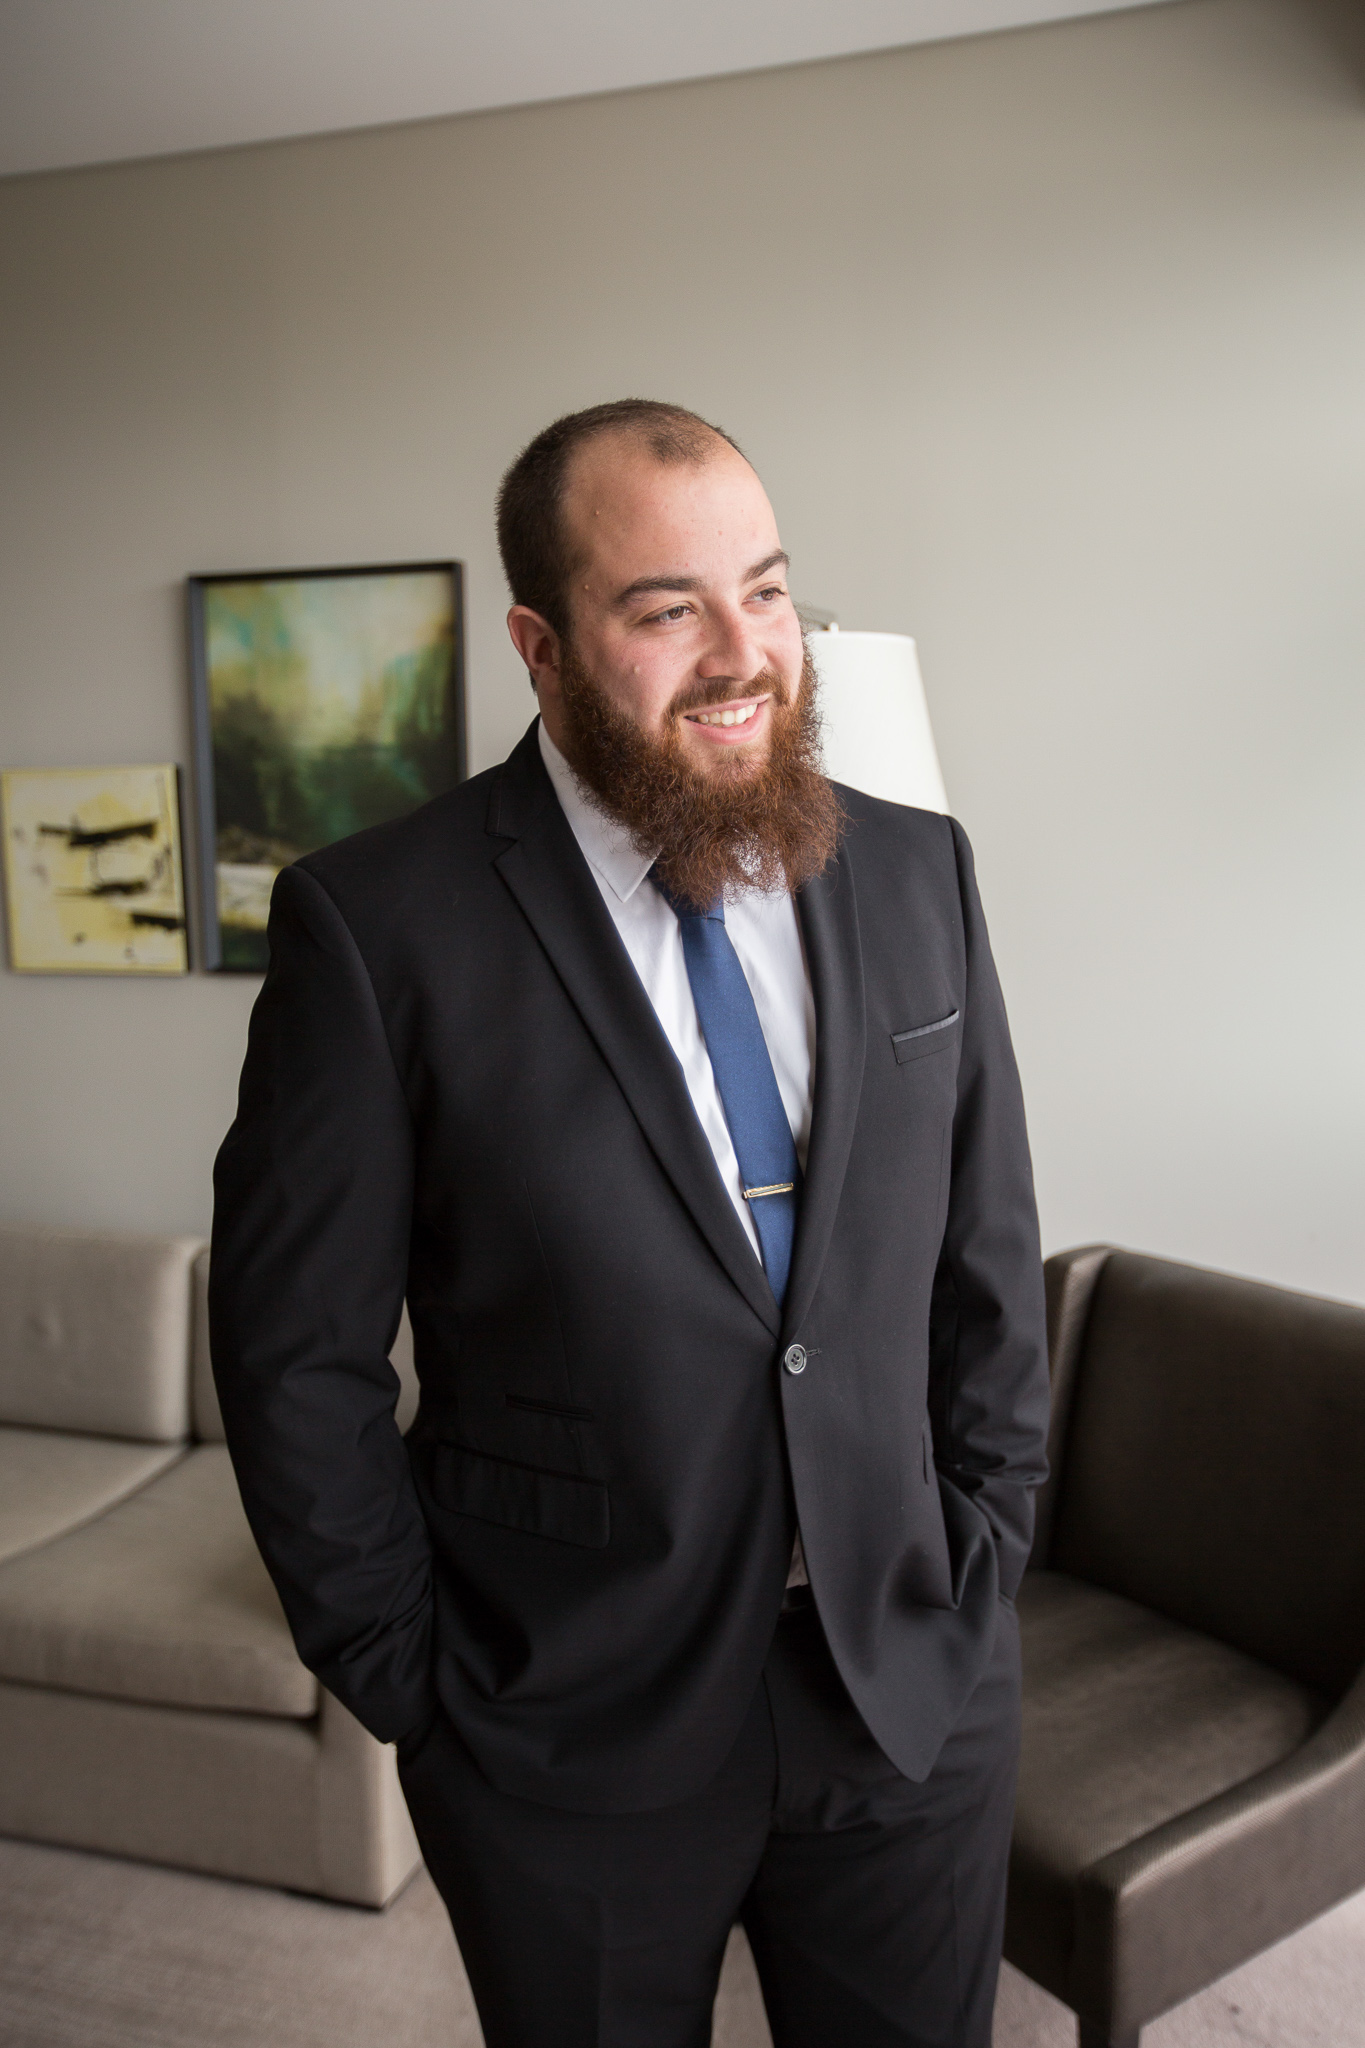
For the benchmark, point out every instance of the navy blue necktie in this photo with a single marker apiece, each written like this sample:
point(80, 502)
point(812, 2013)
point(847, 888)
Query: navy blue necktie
point(749, 1095)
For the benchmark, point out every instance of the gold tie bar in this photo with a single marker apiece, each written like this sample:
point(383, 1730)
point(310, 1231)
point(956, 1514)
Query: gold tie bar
point(779, 1187)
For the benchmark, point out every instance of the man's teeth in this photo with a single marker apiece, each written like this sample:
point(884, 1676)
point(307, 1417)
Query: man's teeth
point(739, 717)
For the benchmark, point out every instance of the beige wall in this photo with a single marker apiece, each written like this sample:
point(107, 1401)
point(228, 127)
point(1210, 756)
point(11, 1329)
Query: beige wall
point(1051, 347)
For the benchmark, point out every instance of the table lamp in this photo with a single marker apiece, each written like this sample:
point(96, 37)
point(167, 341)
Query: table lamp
point(877, 734)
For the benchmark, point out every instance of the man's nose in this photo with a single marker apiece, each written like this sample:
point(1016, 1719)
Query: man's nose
point(733, 648)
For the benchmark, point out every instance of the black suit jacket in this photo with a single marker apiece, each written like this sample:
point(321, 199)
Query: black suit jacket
point(457, 1088)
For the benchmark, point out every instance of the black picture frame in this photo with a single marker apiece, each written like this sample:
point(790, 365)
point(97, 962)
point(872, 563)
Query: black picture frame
point(316, 711)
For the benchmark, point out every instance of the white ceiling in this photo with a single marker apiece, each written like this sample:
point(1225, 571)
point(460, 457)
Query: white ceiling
point(94, 81)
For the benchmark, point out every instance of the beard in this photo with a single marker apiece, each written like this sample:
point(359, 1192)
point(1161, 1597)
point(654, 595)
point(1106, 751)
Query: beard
point(768, 825)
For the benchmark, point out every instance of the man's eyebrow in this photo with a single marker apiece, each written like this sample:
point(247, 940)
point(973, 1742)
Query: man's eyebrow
point(644, 585)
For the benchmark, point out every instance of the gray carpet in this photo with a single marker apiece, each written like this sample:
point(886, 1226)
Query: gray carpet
point(98, 1953)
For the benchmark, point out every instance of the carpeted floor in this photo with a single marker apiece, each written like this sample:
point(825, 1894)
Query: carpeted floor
point(98, 1953)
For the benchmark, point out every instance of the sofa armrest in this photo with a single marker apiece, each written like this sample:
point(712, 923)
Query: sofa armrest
point(366, 1845)
point(1168, 1913)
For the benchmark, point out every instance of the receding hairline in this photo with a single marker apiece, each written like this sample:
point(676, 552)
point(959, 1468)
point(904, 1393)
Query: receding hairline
point(682, 444)
point(533, 531)
point(704, 444)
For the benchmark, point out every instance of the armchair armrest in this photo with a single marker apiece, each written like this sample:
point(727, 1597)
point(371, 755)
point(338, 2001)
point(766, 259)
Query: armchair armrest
point(1168, 1913)
point(1069, 1282)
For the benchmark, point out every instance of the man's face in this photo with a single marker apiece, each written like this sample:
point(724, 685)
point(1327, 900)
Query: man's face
point(679, 606)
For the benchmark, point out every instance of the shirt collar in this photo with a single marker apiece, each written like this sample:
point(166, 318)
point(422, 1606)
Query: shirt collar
point(606, 845)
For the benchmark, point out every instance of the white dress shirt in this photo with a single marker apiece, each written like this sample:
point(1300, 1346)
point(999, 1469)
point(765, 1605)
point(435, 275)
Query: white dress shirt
point(765, 934)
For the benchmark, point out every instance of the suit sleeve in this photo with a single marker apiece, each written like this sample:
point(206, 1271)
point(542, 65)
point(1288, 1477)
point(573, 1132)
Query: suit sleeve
point(988, 1338)
point(312, 1205)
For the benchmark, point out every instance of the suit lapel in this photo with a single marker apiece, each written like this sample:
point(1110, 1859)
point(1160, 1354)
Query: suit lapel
point(828, 911)
point(546, 873)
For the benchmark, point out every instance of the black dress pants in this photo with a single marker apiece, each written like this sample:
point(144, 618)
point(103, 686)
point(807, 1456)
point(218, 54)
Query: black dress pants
point(874, 1906)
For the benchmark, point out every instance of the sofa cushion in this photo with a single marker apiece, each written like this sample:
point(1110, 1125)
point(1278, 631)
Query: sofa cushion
point(51, 1482)
point(162, 1599)
point(1129, 1719)
point(95, 1332)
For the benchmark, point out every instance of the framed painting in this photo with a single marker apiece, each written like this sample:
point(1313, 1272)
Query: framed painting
point(94, 882)
point(325, 700)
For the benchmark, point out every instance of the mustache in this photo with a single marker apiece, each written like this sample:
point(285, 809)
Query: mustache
point(715, 835)
point(704, 696)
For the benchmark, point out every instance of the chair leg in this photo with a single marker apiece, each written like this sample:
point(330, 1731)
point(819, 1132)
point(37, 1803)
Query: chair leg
point(1092, 2036)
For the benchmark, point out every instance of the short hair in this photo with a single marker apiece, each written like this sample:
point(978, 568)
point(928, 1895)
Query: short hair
point(531, 537)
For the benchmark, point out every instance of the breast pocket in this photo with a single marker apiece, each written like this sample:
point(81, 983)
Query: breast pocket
point(922, 1040)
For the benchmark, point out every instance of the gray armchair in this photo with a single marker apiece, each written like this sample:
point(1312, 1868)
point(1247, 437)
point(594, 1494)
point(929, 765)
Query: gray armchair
point(1193, 1777)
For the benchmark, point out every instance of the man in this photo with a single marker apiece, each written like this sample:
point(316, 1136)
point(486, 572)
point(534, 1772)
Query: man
point(674, 1088)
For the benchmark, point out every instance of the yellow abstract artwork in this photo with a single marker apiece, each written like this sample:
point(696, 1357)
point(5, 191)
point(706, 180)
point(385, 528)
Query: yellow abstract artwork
point(93, 876)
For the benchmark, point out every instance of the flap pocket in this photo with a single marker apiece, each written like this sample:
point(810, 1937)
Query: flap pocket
point(925, 1038)
point(554, 1504)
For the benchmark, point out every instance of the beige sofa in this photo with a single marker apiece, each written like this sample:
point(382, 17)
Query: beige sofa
point(151, 1702)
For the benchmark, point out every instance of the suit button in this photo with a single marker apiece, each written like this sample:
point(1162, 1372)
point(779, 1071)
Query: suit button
point(794, 1358)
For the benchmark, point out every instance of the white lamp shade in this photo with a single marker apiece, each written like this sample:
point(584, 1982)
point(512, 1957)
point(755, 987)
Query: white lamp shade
point(877, 735)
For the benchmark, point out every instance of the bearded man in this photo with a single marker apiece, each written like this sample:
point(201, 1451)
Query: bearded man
point(672, 1086)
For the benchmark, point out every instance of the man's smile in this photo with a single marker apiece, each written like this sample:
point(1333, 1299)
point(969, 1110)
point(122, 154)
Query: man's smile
point(728, 724)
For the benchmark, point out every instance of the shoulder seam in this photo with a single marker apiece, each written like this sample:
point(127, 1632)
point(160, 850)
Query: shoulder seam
point(322, 889)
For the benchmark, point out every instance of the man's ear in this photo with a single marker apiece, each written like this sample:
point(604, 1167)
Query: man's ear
point(537, 642)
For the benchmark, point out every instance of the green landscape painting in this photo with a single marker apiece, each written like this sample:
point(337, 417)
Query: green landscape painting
point(326, 701)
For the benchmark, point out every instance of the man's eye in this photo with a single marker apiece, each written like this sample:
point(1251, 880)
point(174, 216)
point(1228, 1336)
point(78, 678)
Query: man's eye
point(675, 611)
